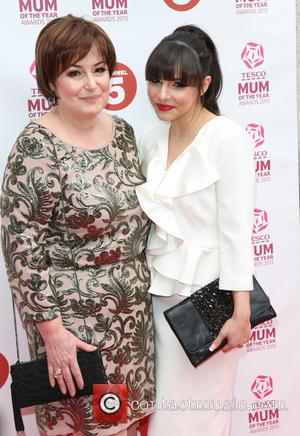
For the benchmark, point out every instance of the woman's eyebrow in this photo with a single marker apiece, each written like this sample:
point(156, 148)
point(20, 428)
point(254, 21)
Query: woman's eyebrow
point(79, 66)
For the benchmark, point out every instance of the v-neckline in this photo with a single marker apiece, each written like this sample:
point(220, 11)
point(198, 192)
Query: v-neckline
point(166, 169)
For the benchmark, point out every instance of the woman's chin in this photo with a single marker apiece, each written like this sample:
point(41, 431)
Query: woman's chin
point(164, 116)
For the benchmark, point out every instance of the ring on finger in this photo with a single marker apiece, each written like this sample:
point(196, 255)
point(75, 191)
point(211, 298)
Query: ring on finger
point(57, 373)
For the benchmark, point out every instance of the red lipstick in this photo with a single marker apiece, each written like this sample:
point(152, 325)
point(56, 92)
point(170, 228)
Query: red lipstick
point(165, 107)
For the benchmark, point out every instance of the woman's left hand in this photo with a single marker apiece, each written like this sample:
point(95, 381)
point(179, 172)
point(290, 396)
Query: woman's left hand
point(236, 330)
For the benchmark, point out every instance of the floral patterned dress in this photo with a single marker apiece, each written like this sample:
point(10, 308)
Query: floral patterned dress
point(46, 183)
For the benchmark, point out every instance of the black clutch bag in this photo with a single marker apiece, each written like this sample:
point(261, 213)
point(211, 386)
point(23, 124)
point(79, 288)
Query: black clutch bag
point(197, 320)
point(30, 383)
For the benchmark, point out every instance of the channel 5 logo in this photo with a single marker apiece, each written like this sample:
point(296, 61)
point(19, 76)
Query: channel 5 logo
point(110, 403)
point(262, 386)
point(123, 87)
point(181, 5)
point(4, 370)
point(253, 55)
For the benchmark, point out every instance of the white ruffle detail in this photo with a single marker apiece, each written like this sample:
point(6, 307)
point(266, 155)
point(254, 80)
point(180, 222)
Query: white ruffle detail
point(188, 174)
point(177, 266)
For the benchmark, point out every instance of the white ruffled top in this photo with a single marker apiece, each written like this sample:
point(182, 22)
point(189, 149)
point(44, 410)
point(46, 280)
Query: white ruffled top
point(201, 208)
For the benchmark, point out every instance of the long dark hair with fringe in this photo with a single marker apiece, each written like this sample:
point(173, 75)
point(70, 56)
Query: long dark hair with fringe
point(188, 55)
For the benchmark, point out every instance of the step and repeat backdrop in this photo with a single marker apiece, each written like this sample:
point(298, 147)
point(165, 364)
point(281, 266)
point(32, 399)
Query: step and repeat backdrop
point(257, 47)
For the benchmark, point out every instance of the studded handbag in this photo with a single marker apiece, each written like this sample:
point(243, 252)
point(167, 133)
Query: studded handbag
point(197, 320)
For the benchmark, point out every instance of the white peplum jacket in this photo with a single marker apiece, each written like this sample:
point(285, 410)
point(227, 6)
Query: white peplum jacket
point(201, 208)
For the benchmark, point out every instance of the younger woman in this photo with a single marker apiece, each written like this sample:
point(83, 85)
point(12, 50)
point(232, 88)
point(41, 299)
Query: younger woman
point(199, 195)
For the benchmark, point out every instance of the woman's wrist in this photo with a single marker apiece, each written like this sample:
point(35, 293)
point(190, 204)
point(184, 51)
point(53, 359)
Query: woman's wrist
point(48, 328)
point(241, 311)
point(241, 316)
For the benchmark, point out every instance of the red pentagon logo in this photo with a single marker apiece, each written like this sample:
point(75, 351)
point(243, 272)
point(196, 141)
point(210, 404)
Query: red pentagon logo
point(260, 220)
point(32, 70)
point(257, 133)
point(262, 386)
point(253, 55)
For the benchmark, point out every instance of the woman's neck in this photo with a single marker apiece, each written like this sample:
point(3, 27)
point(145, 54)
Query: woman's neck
point(89, 132)
point(189, 126)
point(80, 125)
point(183, 132)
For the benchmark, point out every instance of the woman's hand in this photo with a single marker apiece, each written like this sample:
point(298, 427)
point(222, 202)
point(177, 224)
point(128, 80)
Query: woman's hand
point(237, 329)
point(61, 349)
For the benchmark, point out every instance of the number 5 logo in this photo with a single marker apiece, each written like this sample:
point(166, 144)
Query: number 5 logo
point(181, 7)
point(4, 370)
point(123, 88)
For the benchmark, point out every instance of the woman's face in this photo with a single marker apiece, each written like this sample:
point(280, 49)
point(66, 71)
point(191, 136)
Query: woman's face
point(171, 100)
point(83, 88)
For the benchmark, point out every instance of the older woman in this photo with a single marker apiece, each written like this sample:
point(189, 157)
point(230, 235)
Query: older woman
point(72, 224)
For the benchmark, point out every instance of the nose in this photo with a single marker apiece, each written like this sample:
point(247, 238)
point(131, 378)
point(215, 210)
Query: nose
point(163, 92)
point(90, 82)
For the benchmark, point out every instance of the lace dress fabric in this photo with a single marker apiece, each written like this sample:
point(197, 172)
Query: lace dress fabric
point(108, 233)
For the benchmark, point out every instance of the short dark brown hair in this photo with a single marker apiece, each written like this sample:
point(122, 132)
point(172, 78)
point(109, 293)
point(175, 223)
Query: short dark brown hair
point(65, 41)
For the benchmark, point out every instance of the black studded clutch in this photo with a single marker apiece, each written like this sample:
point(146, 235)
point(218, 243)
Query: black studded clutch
point(197, 320)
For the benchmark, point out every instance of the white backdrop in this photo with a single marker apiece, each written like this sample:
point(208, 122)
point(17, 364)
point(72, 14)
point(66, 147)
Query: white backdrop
point(257, 46)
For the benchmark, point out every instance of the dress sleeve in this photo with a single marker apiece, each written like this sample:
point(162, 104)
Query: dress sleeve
point(235, 198)
point(29, 195)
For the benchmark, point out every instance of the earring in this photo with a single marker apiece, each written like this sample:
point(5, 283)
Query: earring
point(52, 101)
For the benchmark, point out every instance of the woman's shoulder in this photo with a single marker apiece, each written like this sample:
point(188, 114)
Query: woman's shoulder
point(155, 130)
point(224, 132)
point(30, 129)
point(152, 135)
point(30, 144)
point(27, 134)
point(226, 126)
point(34, 131)
point(121, 123)
point(229, 140)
